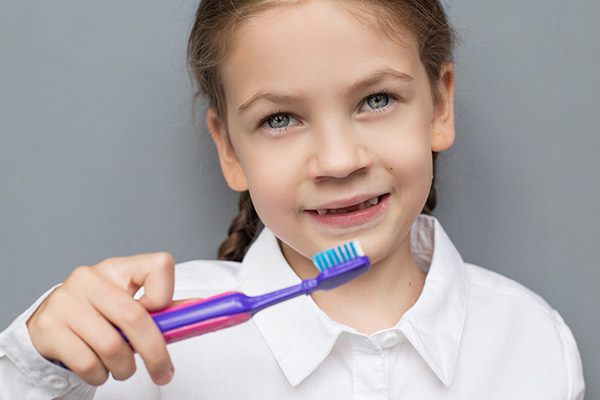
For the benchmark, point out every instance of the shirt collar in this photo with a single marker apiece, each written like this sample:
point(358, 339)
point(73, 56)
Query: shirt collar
point(434, 325)
point(301, 336)
point(297, 331)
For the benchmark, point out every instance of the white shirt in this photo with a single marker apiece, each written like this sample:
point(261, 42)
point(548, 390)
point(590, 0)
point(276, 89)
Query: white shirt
point(472, 334)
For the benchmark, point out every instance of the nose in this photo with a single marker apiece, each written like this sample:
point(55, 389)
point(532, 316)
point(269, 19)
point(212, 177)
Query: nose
point(338, 153)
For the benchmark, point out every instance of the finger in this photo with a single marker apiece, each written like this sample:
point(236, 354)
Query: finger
point(139, 327)
point(158, 283)
point(76, 355)
point(177, 303)
point(55, 341)
point(154, 271)
point(108, 344)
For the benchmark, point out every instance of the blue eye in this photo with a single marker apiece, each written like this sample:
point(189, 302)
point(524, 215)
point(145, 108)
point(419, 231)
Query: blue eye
point(278, 121)
point(377, 101)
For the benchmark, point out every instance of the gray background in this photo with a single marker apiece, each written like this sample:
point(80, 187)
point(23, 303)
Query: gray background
point(100, 155)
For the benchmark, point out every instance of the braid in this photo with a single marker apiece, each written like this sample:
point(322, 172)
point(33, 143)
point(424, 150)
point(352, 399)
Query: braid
point(242, 231)
point(432, 198)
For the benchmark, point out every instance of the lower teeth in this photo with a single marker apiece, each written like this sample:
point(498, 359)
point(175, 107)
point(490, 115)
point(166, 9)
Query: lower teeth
point(361, 206)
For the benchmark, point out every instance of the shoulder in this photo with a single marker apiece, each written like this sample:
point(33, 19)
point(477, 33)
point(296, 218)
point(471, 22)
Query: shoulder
point(507, 309)
point(492, 295)
point(503, 311)
point(202, 278)
point(490, 286)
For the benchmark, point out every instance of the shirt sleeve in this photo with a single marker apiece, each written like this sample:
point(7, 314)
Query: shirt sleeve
point(573, 363)
point(25, 374)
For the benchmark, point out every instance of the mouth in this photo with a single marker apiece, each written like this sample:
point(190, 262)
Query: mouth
point(350, 213)
point(371, 202)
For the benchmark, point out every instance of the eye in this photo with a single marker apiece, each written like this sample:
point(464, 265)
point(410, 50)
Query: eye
point(278, 122)
point(375, 102)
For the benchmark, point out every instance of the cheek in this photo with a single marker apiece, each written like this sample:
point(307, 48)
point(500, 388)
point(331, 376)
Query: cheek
point(403, 142)
point(270, 182)
point(412, 168)
point(407, 159)
point(406, 152)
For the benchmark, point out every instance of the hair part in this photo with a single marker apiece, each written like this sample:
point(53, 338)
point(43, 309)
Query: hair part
point(212, 37)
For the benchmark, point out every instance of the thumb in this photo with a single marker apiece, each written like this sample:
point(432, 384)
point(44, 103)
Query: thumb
point(155, 272)
point(177, 303)
point(158, 280)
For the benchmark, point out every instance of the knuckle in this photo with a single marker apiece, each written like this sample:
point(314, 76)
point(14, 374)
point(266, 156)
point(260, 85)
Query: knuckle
point(107, 262)
point(86, 365)
point(59, 297)
point(110, 260)
point(135, 316)
point(91, 370)
point(111, 347)
point(80, 274)
point(164, 260)
point(45, 321)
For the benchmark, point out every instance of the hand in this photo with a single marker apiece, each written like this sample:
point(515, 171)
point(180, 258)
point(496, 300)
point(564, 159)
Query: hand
point(76, 323)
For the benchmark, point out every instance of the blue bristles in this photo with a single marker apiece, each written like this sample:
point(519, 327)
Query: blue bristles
point(337, 255)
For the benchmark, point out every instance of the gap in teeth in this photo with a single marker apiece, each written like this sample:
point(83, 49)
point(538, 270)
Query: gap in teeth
point(365, 204)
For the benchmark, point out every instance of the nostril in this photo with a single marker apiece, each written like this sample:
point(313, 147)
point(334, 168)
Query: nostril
point(339, 163)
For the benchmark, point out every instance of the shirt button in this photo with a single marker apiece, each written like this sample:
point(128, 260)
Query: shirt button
point(57, 382)
point(389, 339)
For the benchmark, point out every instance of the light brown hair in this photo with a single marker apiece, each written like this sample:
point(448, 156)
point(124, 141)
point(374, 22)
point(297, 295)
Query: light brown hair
point(213, 32)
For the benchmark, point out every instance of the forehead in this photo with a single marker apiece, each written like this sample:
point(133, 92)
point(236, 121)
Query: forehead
point(293, 42)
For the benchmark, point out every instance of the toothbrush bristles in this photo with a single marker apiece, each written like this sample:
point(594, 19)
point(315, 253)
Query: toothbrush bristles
point(337, 255)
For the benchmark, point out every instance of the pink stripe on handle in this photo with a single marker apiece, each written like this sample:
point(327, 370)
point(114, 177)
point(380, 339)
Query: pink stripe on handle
point(203, 327)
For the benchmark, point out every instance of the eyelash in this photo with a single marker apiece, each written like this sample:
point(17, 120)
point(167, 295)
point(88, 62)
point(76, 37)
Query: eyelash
point(263, 122)
point(392, 98)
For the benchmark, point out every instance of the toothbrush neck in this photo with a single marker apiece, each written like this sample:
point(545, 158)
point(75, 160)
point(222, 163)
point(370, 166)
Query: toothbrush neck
point(305, 287)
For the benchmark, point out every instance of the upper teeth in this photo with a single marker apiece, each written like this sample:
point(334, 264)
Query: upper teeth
point(361, 206)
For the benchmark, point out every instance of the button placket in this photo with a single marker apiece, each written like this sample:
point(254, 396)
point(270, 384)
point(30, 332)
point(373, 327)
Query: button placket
point(369, 376)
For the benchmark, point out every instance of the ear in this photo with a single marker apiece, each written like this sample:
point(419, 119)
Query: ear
point(442, 124)
point(230, 165)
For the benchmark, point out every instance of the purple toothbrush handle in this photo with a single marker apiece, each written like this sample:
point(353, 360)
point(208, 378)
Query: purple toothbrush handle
point(225, 304)
point(233, 303)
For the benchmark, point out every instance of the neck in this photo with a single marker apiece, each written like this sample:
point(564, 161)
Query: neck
point(376, 300)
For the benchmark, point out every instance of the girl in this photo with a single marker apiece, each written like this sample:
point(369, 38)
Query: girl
point(326, 116)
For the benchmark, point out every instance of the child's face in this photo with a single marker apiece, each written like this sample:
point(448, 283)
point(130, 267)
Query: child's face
point(326, 116)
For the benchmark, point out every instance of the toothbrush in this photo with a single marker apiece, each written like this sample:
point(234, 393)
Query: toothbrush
point(338, 265)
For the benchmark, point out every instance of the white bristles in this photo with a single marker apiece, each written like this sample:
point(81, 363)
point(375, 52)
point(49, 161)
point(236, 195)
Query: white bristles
point(337, 255)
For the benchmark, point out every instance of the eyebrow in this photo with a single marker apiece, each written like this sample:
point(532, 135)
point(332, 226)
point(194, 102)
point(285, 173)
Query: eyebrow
point(372, 79)
point(377, 77)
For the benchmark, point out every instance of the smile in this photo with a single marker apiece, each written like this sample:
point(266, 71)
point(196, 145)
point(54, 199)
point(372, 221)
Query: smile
point(340, 215)
point(357, 207)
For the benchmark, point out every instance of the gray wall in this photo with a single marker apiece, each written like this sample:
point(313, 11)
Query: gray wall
point(100, 155)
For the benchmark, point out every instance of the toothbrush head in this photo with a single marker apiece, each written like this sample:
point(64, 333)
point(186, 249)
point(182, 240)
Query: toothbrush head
point(340, 264)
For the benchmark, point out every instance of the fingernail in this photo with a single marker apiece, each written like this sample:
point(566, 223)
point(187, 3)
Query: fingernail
point(165, 377)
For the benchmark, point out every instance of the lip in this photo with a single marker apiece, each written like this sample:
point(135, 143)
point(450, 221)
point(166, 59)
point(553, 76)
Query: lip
point(345, 203)
point(353, 218)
